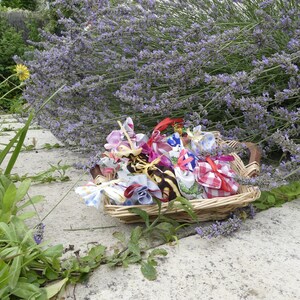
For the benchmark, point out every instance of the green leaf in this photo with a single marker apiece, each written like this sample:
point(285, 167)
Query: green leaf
point(18, 147)
point(278, 196)
point(33, 200)
point(5, 151)
point(9, 198)
point(148, 271)
point(288, 192)
point(5, 217)
point(9, 252)
point(158, 202)
point(125, 263)
point(158, 251)
point(9, 232)
point(166, 230)
point(271, 199)
point(152, 262)
point(15, 271)
point(51, 274)
point(96, 253)
point(54, 289)
point(119, 236)
point(166, 227)
point(131, 260)
point(22, 189)
point(56, 263)
point(20, 228)
point(69, 263)
point(154, 253)
point(169, 220)
point(54, 251)
point(85, 269)
point(134, 248)
point(186, 206)
point(142, 213)
point(4, 277)
point(4, 182)
point(124, 254)
point(31, 277)
point(171, 205)
point(136, 234)
point(27, 215)
point(26, 290)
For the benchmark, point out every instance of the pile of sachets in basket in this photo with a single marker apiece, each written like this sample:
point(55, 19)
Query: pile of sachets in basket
point(136, 169)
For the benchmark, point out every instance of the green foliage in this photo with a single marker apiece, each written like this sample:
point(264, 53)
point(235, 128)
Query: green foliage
point(52, 25)
point(49, 146)
point(24, 262)
point(278, 196)
point(22, 4)
point(11, 43)
point(134, 250)
point(148, 267)
point(53, 174)
point(186, 206)
point(32, 146)
point(16, 28)
point(25, 266)
point(11, 197)
point(19, 254)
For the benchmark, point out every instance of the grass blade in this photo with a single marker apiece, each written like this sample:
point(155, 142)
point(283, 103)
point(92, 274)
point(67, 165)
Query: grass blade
point(14, 157)
point(9, 146)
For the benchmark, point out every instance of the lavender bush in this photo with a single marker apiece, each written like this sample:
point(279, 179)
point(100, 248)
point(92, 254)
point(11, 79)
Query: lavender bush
point(231, 66)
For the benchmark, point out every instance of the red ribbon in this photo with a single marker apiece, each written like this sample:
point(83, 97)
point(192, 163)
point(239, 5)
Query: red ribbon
point(129, 191)
point(161, 126)
point(224, 185)
point(182, 161)
point(164, 124)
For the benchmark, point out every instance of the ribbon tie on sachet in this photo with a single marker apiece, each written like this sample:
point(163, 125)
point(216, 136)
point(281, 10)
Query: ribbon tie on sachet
point(216, 175)
point(157, 141)
point(141, 191)
point(183, 161)
point(188, 187)
point(164, 177)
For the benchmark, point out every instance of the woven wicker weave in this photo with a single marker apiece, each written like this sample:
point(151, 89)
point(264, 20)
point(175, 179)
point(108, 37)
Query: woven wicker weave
point(206, 209)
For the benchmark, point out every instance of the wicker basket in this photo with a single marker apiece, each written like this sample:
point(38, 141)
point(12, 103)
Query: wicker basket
point(206, 209)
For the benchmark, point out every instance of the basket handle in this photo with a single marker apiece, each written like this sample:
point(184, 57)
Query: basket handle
point(253, 167)
point(255, 152)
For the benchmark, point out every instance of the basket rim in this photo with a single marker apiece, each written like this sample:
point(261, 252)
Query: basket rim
point(204, 203)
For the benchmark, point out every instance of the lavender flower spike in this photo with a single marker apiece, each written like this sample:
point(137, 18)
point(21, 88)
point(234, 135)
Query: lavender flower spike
point(225, 228)
point(39, 234)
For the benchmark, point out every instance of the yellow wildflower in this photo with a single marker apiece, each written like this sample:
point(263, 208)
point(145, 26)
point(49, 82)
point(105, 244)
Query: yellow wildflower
point(22, 72)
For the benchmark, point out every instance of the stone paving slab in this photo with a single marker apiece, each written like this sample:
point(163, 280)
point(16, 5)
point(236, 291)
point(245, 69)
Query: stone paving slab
point(261, 261)
point(8, 118)
point(14, 126)
point(37, 137)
